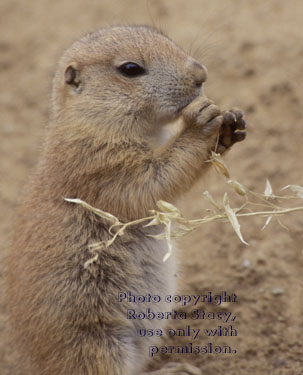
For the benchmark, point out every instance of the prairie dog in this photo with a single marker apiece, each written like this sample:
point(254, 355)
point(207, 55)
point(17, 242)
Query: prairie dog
point(113, 91)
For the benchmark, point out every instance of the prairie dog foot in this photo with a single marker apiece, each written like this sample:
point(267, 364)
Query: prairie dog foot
point(173, 368)
point(232, 129)
point(204, 114)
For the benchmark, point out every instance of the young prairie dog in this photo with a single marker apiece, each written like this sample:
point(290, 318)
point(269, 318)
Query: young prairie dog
point(113, 92)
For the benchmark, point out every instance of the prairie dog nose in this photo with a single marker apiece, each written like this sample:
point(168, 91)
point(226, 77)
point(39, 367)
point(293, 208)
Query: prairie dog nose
point(199, 72)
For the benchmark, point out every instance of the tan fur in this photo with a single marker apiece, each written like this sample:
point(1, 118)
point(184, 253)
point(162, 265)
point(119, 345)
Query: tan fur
point(99, 148)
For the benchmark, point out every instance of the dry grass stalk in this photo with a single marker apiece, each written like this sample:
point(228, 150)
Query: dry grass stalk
point(168, 214)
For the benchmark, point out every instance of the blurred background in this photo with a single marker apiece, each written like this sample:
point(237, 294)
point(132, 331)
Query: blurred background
point(254, 54)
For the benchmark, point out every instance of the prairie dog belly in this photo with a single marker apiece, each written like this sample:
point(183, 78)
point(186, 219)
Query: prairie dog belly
point(154, 313)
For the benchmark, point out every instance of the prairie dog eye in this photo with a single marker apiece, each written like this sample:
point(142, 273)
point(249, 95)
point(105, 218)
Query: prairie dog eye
point(131, 69)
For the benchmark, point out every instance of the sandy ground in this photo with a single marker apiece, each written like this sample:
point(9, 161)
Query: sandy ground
point(254, 54)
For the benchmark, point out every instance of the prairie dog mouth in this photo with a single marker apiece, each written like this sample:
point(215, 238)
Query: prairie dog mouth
point(180, 109)
point(187, 102)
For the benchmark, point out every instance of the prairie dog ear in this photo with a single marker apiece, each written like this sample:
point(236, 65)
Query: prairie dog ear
point(72, 76)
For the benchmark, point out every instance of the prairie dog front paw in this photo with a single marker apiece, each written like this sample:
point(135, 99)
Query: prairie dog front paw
point(232, 129)
point(203, 113)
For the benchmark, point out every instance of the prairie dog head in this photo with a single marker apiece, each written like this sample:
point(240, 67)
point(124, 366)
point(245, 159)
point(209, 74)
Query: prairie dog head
point(125, 79)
